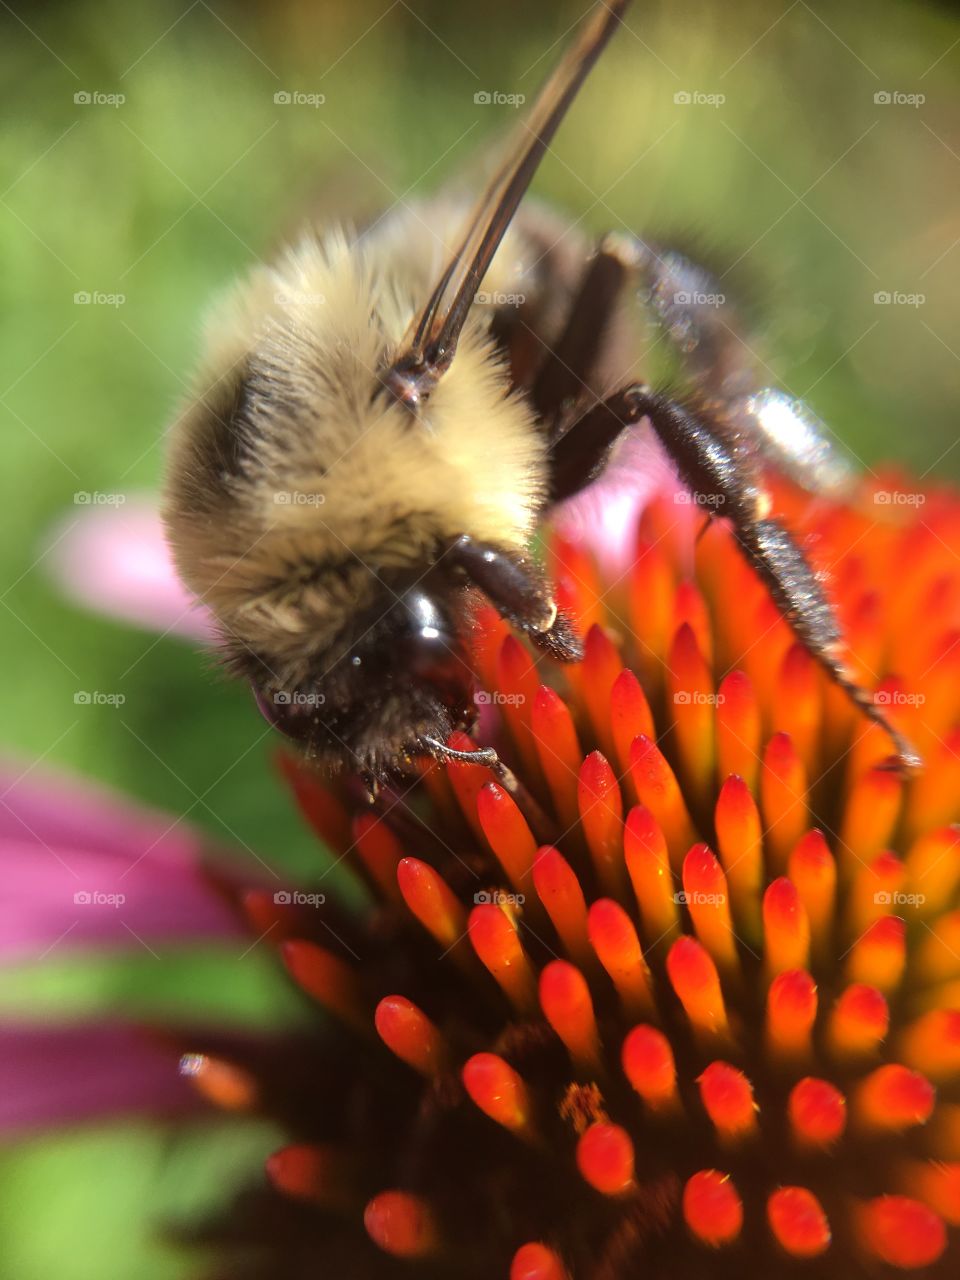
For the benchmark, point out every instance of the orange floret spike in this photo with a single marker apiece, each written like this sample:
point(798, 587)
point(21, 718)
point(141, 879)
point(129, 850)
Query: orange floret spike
point(738, 730)
point(813, 871)
point(494, 937)
point(601, 818)
point(791, 1014)
point(648, 1064)
point(740, 845)
point(879, 955)
point(401, 1224)
point(431, 900)
point(900, 1232)
point(630, 716)
point(601, 668)
point(694, 978)
point(798, 1222)
point(534, 1261)
point(858, 1022)
point(712, 1208)
point(707, 899)
point(567, 1006)
point(559, 751)
point(605, 1158)
point(508, 835)
point(786, 928)
point(933, 868)
point(652, 588)
point(893, 1098)
point(727, 1097)
point(871, 814)
point(328, 979)
point(659, 792)
point(692, 700)
point(648, 865)
point(817, 1111)
point(410, 1034)
point(783, 799)
point(615, 941)
point(517, 686)
point(799, 704)
point(498, 1091)
point(558, 888)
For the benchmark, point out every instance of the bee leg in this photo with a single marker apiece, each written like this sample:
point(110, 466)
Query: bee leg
point(564, 376)
point(516, 585)
point(718, 364)
point(725, 479)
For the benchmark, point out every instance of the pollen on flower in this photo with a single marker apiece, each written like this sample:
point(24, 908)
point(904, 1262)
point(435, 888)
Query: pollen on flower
point(677, 993)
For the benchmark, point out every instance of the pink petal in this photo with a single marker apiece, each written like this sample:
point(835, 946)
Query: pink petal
point(80, 866)
point(114, 559)
point(56, 1075)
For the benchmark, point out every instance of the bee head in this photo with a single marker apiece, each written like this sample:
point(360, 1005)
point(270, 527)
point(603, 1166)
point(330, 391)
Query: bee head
point(399, 676)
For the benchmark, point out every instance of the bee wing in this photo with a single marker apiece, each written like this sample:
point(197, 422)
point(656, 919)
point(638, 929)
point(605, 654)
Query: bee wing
point(432, 337)
point(792, 439)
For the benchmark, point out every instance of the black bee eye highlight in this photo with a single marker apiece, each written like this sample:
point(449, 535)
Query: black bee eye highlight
point(429, 642)
point(293, 713)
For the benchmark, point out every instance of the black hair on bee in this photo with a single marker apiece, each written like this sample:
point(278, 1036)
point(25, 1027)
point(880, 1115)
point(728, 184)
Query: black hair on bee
point(374, 441)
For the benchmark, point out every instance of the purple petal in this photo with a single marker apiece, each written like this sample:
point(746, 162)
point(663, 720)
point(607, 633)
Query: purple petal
point(80, 866)
point(56, 1075)
point(114, 559)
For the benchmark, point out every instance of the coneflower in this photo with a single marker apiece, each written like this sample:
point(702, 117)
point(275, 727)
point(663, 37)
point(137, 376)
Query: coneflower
point(678, 993)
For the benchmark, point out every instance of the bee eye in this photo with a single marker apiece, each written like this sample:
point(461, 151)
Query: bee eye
point(293, 714)
point(430, 643)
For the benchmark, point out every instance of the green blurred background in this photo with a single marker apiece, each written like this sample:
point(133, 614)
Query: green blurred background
point(817, 195)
